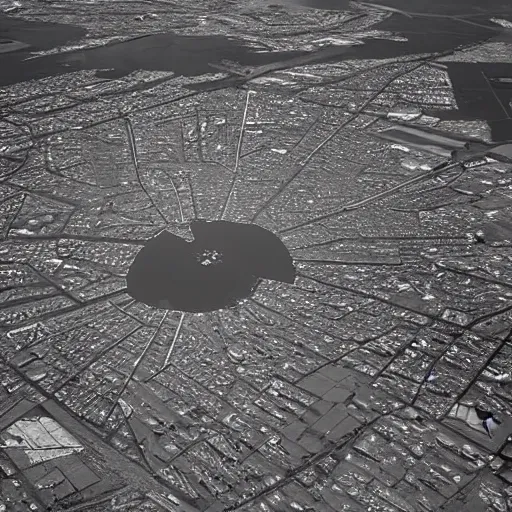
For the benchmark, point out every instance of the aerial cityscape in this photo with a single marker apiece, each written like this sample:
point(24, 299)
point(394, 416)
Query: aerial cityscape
point(256, 255)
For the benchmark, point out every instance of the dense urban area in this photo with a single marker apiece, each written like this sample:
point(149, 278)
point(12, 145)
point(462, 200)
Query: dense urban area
point(338, 174)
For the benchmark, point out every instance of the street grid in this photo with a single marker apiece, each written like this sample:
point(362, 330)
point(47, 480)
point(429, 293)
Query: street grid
point(358, 387)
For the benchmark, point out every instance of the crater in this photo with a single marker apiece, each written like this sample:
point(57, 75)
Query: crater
point(221, 266)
